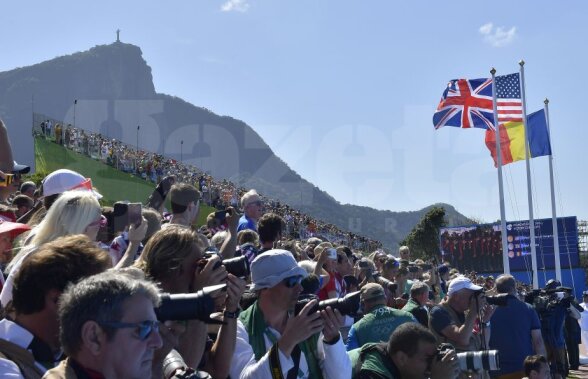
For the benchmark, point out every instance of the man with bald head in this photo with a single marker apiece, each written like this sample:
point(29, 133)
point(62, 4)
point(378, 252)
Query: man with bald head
point(516, 330)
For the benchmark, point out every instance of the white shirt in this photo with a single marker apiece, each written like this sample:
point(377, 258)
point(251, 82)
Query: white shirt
point(12, 332)
point(6, 294)
point(333, 359)
point(584, 318)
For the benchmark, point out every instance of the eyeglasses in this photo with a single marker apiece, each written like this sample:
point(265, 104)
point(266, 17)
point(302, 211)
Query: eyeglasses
point(292, 281)
point(144, 328)
point(103, 222)
point(259, 203)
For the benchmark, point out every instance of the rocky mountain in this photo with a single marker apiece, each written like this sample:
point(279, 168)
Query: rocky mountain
point(109, 89)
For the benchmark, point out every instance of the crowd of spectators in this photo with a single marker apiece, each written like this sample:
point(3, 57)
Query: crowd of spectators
point(216, 193)
point(90, 291)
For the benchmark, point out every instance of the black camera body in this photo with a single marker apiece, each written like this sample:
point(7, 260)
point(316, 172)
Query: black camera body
point(238, 266)
point(347, 306)
point(499, 300)
point(174, 367)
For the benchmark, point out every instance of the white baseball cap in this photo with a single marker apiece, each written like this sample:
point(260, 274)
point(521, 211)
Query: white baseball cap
point(460, 283)
point(63, 180)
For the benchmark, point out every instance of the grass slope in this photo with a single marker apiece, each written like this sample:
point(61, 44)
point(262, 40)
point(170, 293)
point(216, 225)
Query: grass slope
point(113, 184)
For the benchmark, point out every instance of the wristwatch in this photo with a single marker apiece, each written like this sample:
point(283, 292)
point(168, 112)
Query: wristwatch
point(235, 314)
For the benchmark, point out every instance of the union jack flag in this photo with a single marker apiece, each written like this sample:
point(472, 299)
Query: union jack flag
point(466, 103)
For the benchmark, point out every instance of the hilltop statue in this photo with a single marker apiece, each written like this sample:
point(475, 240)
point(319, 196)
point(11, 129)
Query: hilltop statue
point(117, 35)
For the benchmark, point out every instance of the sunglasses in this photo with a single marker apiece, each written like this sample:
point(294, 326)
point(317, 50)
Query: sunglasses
point(144, 328)
point(292, 281)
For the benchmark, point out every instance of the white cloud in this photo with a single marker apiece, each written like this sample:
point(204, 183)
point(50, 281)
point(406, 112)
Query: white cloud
point(497, 36)
point(235, 6)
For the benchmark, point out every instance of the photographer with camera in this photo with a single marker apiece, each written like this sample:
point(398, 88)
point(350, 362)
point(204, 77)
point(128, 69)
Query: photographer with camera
point(173, 257)
point(454, 319)
point(379, 321)
point(551, 304)
point(410, 352)
point(516, 331)
point(416, 305)
point(274, 343)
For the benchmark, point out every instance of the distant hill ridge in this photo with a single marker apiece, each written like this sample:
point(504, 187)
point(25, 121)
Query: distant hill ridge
point(113, 86)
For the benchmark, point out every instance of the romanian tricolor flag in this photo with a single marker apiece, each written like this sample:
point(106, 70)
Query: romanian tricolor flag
point(512, 139)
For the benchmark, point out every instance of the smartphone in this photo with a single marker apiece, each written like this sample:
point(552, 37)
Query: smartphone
point(120, 216)
point(134, 212)
point(8, 178)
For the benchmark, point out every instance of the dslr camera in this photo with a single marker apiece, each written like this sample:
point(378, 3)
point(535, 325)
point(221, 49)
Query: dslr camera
point(238, 266)
point(499, 300)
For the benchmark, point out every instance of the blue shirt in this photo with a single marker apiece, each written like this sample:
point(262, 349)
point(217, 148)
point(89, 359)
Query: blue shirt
point(511, 334)
point(246, 223)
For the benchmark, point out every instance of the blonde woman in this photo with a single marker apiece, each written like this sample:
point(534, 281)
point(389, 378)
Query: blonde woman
point(74, 212)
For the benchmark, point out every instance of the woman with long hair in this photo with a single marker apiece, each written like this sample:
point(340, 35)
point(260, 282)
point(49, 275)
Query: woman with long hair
point(74, 212)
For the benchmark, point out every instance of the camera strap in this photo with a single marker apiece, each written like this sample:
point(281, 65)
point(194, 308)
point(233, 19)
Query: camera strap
point(276, 368)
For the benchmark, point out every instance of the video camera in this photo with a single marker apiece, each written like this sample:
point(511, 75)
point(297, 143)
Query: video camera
point(188, 306)
point(347, 306)
point(472, 360)
point(544, 300)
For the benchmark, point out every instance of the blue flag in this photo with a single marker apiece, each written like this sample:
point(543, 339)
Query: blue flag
point(539, 143)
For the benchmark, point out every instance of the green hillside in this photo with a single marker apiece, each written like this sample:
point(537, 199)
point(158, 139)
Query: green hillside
point(113, 184)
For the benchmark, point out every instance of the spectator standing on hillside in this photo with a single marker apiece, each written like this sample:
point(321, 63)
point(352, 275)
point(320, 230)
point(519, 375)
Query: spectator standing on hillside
point(252, 210)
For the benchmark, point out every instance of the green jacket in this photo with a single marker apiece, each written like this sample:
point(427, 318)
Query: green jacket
point(372, 361)
point(379, 323)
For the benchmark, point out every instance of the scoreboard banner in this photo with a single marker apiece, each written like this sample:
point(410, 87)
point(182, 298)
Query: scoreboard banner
point(479, 247)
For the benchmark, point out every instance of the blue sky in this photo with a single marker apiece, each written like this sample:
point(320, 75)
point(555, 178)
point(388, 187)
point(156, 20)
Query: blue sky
point(344, 91)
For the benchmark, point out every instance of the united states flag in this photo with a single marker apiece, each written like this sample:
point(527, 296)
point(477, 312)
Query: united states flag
point(508, 98)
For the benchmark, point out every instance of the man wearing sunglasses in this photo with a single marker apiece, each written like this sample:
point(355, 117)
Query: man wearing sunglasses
point(252, 210)
point(272, 341)
point(29, 340)
point(108, 328)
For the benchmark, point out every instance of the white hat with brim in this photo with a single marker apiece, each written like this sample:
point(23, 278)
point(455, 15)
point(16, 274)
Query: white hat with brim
point(271, 267)
point(461, 282)
point(63, 180)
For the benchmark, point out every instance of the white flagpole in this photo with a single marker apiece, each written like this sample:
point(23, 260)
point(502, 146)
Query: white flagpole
point(553, 213)
point(505, 262)
point(529, 194)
